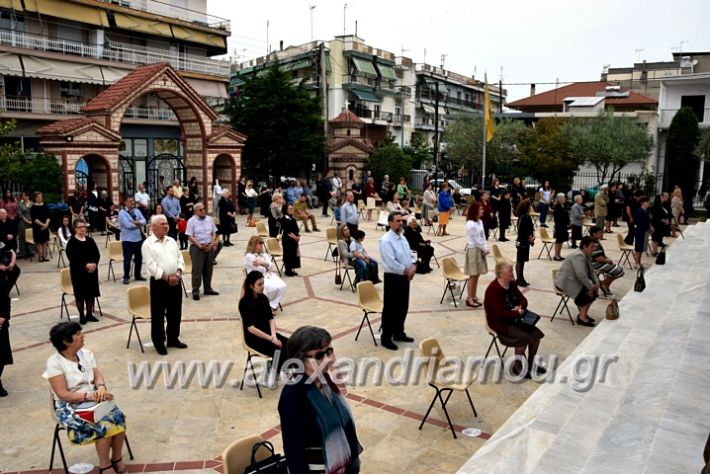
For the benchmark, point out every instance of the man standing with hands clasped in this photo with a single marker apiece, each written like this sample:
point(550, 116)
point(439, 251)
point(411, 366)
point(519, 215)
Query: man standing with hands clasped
point(399, 269)
point(203, 250)
point(131, 222)
point(165, 266)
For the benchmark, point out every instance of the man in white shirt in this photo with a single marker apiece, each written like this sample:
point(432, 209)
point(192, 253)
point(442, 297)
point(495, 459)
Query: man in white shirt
point(204, 246)
point(143, 201)
point(165, 264)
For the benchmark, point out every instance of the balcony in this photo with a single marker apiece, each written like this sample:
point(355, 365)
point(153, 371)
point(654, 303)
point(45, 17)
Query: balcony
point(384, 116)
point(362, 112)
point(358, 79)
point(172, 11)
point(464, 103)
point(151, 113)
point(117, 52)
point(666, 117)
point(399, 119)
point(427, 123)
point(43, 105)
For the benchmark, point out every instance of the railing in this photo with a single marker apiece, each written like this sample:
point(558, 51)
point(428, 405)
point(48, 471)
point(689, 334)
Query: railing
point(463, 102)
point(426, 122)
point(387, 116)
point(357, 79)
point(157, 113)
point(668, 114)
point(40, 105)
point(172, 11)
point(114, 51)
point(397, 119)
point(361, 112)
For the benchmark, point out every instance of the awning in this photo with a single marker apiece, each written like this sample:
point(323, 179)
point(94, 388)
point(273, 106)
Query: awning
point(365, 96)
point(386, 71)
point(208, 88)
point(364, 66)
point(72, 11)
point(30, 5)
point(62, 70)
point(295, 66)
point(149, 27)
point(10, 64)
point(14, 4)
point(187, 34)
point(112, 75)
point(182, 33)
point(429, 109)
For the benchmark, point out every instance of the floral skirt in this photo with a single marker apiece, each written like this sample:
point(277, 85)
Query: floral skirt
point(81, 431)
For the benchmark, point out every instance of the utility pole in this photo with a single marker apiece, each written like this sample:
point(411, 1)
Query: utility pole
point(311, 8)
point(500, 91)
point(345, 9)
point(324, 99)
point(268, 48)
point(436, 133)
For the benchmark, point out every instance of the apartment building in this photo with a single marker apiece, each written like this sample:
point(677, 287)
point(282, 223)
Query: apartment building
point(391, 94)
point(57, 55)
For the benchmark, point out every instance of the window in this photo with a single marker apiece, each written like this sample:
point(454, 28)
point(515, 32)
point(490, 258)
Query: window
point(140, 147)
point(695, 102)
point(70, 89)
point(377, 110)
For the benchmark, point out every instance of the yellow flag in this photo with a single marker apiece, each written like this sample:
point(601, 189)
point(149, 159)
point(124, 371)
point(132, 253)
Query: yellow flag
point(488, 115)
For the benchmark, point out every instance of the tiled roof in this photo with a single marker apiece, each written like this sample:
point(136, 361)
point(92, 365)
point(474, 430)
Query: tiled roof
point(362, 143)
point(347, 117)
point(63, 127)
point(226, 129)
point(580, 89)
point(126, 86)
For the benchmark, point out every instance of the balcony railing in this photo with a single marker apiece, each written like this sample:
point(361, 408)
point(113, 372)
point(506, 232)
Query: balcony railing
point(117, 52)
point(386, 116)
point(428, 123)
point(668, 114)
point(398, 119)
point(172, 11)
point(361, 112)
point(357, 79)
point(43, 105)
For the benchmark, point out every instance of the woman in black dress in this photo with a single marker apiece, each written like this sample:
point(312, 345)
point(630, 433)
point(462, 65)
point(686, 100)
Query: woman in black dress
point(9, 272)
point(83, 255)
point(504, 211)
point(40, 225)
point(561, 218)
point(227, 214)
point(525, 240)
point(257, 318)
point(291, 238)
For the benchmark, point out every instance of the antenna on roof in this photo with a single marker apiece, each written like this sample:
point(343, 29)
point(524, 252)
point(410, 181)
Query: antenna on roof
point(638, 53)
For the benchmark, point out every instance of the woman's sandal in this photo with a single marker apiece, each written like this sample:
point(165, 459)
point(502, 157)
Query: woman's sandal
point(115, 467)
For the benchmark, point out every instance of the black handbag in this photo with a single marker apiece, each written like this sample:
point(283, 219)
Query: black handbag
point(273, 464)
point(640, 284)
point(661, 258)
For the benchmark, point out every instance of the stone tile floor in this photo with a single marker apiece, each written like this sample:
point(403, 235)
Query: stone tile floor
point(187, 429)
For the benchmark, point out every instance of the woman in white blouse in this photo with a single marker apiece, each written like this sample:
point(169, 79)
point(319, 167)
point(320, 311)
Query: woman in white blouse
point(395, 206)
point(256, 259)
point(76, 380)
point(64, 232)
point(428, 203)
point(476, 251)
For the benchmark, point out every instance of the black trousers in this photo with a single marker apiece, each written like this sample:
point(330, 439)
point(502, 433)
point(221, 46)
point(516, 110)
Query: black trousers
point(172, 228)
point(632, 231)
point(165, 303)
point(130, 250)
point(396, 305)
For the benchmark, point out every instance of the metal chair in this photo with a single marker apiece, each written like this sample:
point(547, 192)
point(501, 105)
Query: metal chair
point(382, 220)
point(57, 441)
point(115, 254)
point(274, 248)
point(30, 240)
point(60, 251)
point(497, 254)
point(262, 230)
point(237, 456)
point(369, 302)
point(251, 353)
point(452, 273)
point(188, 268)
point(627, 251)
point(331, 236)
point(564, 299)
point(67, 289)
point(431, 350)
point(547, 243)
point(494, 341)
point(138, 298)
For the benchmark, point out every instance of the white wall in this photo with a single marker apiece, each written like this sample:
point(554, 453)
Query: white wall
point(672, 94)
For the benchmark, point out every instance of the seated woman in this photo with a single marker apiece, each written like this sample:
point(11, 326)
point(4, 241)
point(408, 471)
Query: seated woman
point(424, 250)
point(112, 224)
point(603, 264)
point(504, 303)
point(257, 320)
point(396, 206)
point(64, 232)
point(75, 378)
point(317, 426)
point(256, 259)
point(346, 256)
point(364, 259)
point(577, 279)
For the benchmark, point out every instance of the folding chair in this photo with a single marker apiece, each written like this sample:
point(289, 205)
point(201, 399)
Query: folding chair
point(513, 225)
point(431, 350)
point(67, 289)
point(369, 302)
point(494, 341)
point(60, 252)
point(547, 243)
point(564, 299)
point(497, 253)
point(115, 254)
point(138, 298)
point(626, 251)
point(382, 220)
point(188, 268)
point(108, 237)
point(30, 240)
point(274, 248)
point(331, 236)
point(262, 230)
point(251, 353)
point(237, 456)
point(346, 266)
point(57, 441)
point(452, 273)
point(535, 216)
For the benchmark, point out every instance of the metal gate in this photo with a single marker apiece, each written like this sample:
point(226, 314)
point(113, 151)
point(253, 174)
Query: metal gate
point(167, 165)
point(126, 176)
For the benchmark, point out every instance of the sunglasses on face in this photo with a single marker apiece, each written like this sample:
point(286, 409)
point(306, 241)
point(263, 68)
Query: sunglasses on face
point(321, 354)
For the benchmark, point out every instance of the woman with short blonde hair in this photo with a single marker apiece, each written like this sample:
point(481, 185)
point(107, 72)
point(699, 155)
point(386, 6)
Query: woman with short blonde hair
point(256, 259)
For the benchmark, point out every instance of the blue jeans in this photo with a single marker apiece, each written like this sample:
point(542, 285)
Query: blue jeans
point(543, 212)
point(364, 271)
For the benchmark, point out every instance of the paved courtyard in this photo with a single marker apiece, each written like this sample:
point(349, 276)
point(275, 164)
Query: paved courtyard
point(187, 429)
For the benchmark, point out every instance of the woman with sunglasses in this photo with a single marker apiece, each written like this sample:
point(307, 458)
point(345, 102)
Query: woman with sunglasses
point(256, 259)
point(257, 318)
point(76, 379)
point(317, 426)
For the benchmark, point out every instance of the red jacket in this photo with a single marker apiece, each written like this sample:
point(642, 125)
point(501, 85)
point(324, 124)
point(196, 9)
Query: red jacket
point(496, 305)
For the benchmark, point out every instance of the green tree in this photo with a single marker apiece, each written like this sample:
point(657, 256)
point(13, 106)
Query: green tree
point(608, 143)
point(418, 150)
point(702, 150)
point(282, 122)
point(391, 160)
point(681, 162)
point(546, 155)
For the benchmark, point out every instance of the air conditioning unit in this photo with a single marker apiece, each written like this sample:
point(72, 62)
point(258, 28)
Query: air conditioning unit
point(613, 88)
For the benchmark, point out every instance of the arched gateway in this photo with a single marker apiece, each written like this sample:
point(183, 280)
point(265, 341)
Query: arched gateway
point(95, 137)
